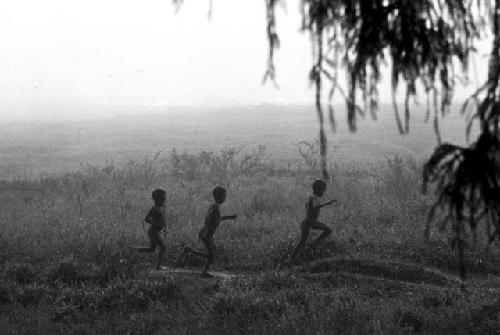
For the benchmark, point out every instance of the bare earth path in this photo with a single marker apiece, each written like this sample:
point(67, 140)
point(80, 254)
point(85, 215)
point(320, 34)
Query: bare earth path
point(218, 274)
point(337, 268)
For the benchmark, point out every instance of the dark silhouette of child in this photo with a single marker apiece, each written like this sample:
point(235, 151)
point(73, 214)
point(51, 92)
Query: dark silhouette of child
point(212, 221)
point(311, 221)
point(156, 219)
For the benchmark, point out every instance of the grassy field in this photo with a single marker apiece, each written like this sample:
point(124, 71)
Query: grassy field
point(43, 147)
point(66, 265)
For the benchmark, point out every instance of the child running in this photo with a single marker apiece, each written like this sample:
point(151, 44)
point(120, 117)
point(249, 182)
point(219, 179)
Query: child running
point(156, 219)
point(311, 221)
point(206, 234)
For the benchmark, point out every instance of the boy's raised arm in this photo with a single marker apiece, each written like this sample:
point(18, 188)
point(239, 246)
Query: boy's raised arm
point(229, 217)
point(328, 203)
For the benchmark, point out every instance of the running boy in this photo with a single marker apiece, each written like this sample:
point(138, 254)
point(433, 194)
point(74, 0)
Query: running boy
point(311, 221)
point(212, 221)
point(156, 219)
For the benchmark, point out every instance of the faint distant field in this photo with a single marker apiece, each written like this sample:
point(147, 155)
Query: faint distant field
point(35, 148)
point(66, 266)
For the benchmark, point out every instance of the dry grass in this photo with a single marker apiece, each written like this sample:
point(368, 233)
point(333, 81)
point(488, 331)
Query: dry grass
point(66, 266)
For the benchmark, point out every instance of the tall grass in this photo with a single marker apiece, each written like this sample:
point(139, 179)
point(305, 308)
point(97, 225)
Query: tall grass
point(66, 266)
point(100, 209)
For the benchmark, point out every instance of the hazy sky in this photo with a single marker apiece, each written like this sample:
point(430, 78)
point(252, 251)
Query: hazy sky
point(131, 52)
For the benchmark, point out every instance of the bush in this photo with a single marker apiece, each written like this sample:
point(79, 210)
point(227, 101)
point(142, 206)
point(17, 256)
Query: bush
point(137, 296)
point(6, 294)
point(66, 273)
point(124, 297)
point(310, 154)
point(114, 266)
point(401, 177)
point(409, 320)
point(238, 314)
point(31, 296)
point(22, 274)
point(217, 167)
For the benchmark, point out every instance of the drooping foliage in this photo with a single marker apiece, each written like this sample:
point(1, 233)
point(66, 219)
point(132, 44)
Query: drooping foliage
point(423, 41)
point(425, 45)
point(468, 178)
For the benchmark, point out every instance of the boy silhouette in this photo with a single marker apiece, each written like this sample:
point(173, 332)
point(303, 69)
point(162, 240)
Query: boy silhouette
point(156, 219)
point(206, 234)
point(311, 221)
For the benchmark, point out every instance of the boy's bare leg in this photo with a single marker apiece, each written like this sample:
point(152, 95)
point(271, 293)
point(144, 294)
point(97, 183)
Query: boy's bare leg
point(304, 234)
point(205, 268)
point(326, 231)
point(158, 261)
point(154, 240)
point(160, 254)
point(210, 246)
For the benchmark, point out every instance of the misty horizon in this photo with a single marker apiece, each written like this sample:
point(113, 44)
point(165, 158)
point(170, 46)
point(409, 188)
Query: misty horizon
point(70, 111)
point(153, 56)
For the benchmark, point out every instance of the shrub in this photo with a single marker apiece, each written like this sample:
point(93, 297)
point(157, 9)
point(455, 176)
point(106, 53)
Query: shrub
point(6, 294)
point(310, 154)
point(409, 320)
point(66, 273)
point(238, 314)
point(401, 177)
point(124, 297)
point(22, 274)
point(30, 296)
point(218, 167)
point(114, 266)
point(137, 296)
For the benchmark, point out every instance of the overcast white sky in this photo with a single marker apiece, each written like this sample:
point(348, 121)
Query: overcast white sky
point(131, 52)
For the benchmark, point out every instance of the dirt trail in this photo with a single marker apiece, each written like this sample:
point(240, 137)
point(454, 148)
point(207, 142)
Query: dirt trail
point(218, 274)
point(363, 269)
point(381, 269)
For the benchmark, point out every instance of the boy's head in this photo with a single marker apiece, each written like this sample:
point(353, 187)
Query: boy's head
point(219, 194)
point(319, 187)
point(159, 196)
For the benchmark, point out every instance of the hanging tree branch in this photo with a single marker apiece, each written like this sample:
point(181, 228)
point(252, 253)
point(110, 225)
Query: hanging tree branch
point(467, 179)
point(423, 41)
point(273, 40)
point(315, 75)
